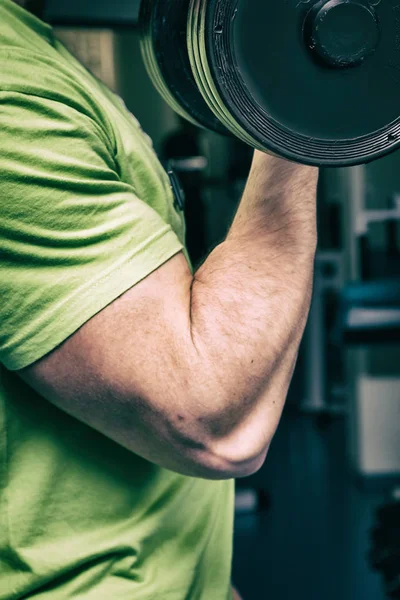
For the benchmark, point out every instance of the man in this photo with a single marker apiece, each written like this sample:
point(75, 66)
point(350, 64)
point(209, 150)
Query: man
point(133, 392)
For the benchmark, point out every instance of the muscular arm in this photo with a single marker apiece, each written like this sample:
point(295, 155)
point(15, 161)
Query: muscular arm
point(192, 372)
point(250, 302)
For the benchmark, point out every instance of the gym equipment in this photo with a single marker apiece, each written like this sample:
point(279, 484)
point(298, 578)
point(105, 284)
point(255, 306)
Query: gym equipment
point(315, 81)
point(369, 313)
point(165, 54)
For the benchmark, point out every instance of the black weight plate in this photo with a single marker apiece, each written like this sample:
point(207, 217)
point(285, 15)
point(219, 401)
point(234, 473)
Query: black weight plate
point(317, 82)
point(148, 48)
point(165, 53)
point(193, 25)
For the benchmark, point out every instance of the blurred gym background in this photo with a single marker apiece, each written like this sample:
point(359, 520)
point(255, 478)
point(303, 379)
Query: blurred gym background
point(321, 520)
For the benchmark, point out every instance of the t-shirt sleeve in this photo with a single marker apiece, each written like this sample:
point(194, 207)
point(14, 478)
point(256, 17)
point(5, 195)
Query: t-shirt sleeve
point(73, 236)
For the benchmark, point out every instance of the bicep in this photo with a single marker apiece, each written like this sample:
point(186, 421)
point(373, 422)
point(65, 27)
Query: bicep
point(127, 371)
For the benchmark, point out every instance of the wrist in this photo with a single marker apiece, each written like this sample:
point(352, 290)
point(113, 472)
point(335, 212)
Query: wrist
point(280, 198)
point(275, 179)
point(269, 163)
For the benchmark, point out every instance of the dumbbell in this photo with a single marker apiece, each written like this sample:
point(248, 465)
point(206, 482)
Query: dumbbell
point(314, 81)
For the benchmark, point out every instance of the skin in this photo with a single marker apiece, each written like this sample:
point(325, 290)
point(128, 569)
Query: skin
point(227, 339)
point(236, 595)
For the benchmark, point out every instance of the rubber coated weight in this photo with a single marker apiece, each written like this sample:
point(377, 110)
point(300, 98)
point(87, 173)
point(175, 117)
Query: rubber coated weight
point(316, 82)
point(194, 57)
point(196, 24)
point(165, 53)
point(199, 68)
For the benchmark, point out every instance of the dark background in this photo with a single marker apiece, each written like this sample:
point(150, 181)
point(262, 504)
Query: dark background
point(103, 13)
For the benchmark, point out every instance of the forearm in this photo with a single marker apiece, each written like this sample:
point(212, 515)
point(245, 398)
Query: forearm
point(250, 301)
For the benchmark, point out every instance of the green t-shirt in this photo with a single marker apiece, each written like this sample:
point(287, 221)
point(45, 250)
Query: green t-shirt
point(86, 211)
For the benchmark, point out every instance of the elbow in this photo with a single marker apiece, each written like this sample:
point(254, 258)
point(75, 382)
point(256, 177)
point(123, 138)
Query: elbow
point(231, 443)
point(217, 467)
point(239, 464)
point(238, 450)
point(234, 457)
point(222, 459)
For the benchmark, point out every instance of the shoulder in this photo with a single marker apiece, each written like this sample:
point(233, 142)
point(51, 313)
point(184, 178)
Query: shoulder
point(41, 76)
